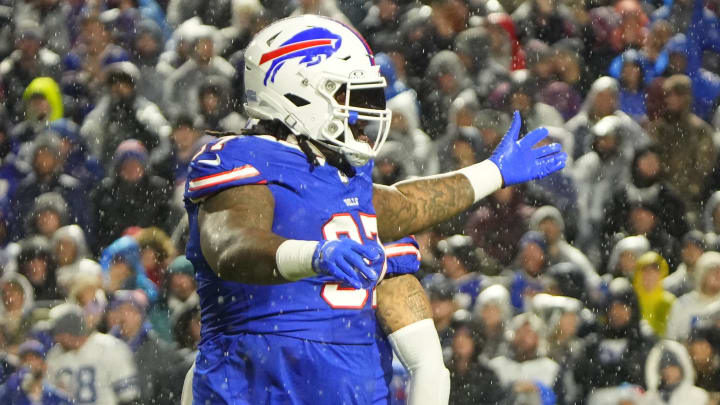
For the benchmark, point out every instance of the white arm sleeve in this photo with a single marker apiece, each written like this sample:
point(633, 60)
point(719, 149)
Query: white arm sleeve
point(418, 349)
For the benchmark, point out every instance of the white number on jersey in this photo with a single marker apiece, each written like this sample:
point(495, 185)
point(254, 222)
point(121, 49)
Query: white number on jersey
point(344, 225)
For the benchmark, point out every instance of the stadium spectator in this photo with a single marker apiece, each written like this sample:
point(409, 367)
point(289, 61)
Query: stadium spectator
point(88, 366)
point(130, 195)
point(692, 304)
point(682, 280)
point(686, 166)
point(159, 377)
point(670, 377)
point(122, 268)
point(123, 114)
point(616, 353)
point(655, 303)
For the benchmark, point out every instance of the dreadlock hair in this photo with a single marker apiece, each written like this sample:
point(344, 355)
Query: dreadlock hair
point(278, 130)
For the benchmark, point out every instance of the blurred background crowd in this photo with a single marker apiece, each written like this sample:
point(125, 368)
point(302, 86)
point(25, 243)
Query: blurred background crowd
point(597, 285)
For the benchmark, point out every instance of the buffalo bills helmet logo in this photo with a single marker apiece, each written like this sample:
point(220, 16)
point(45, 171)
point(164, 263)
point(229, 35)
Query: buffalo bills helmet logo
point(312, 45)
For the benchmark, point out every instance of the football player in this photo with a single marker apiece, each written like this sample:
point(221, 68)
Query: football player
point(285, 229)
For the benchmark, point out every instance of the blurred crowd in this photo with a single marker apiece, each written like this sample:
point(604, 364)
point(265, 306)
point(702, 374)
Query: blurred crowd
point(597, 285)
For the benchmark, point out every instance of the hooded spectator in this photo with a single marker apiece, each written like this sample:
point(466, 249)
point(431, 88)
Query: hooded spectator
point(463, 143)
point(130, 195)
point(52, 16)
point(505, 47)
point(388, 70)
point(692, 304)
point(602, 100)
point(498, 224)
point(180, 283)
point(159, 377)
point(37, 264)
point(181, 89)
point(124, 114)
point(682, 57)
point(70, 248)
point(526, 362)
point(682, 280)
point(491, 315)
point(472, 381)
point(147, 46)
point(529, 279)
point(564, 318)
point(123, 270)
point(655, 302)
point(684, 141)
point(418, 43)
point(549, 221)
point(48, 214)
point(86, 290)
point(670, 377)
point(393, 163)
point(42, 103)
point(74, 151)
point(617, 352)
point(598, 174)
point(473, 46)
point(405, 129)
point(644, 219)
point(633, 71)
point(543, 20)
point(624, 255)
point(215, 106)
point(446, 78)
point(649, 188)
point(93, 51)
point(29, 60)
point(180, 47)
point(17, 303)
point(522, 98)
point(381, 25)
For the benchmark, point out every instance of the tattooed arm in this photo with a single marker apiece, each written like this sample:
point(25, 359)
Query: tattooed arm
point(411, 206)
point(401, 301)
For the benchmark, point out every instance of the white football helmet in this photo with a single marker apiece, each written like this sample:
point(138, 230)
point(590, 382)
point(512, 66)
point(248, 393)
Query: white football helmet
point(296, 68)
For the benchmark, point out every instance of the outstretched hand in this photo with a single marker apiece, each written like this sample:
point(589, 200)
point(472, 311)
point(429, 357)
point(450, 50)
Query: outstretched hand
point(348, 261)
point(519, 162)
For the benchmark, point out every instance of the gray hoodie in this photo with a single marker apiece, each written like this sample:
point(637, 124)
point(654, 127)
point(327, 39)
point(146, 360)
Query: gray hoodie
point(562, 251)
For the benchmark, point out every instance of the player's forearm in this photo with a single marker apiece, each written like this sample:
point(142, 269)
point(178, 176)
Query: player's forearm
point(430, 201)
point(401, 302)
point(414, 205)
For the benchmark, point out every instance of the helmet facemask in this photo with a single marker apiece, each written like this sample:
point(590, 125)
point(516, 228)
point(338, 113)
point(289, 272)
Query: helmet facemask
point(356, 105)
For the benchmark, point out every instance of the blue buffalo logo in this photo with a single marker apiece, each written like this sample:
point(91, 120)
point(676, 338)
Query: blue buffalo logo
point(312, 45)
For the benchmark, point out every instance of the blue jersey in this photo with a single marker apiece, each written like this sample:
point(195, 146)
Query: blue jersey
point(311, 203)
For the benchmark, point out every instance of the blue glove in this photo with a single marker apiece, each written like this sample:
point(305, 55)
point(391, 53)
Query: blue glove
point(344, 260)
point(519, 162)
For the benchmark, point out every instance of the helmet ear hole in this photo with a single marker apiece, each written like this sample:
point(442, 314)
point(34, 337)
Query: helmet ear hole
point(297, 100)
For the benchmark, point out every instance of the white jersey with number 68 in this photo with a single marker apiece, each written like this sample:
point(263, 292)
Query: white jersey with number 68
point(100, 372)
